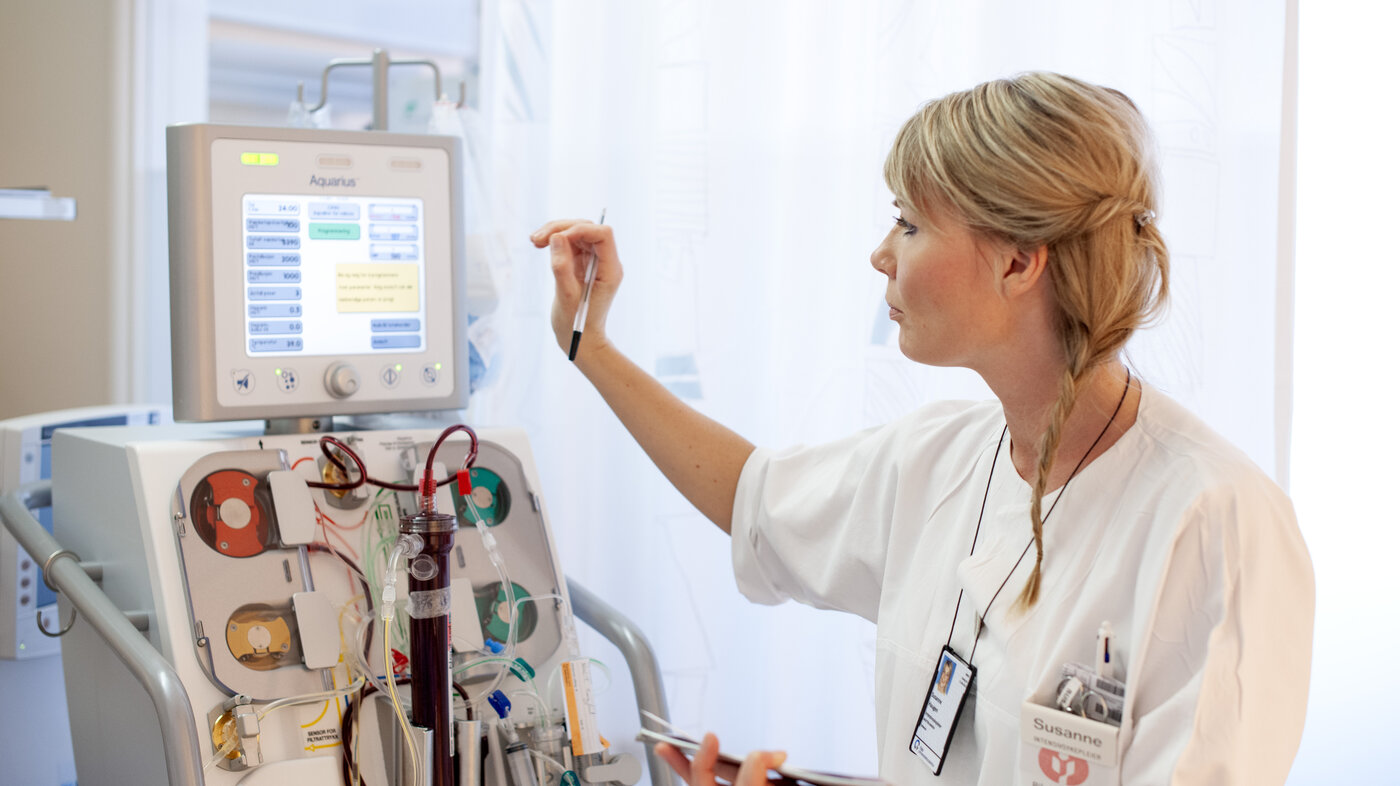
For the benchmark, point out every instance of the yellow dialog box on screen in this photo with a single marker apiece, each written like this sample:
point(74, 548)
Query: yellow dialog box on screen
point(360, 288)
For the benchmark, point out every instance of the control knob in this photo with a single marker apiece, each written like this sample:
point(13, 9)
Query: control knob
point(342, 380)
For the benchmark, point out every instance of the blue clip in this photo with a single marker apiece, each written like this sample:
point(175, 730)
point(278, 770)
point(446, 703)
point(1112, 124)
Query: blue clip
point(500, 704)
point(495, 646)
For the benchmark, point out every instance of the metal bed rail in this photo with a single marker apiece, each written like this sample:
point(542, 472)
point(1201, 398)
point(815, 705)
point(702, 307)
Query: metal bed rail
point(63, 573)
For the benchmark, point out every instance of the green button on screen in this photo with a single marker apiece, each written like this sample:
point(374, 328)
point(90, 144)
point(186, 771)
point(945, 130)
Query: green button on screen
point(334, 231)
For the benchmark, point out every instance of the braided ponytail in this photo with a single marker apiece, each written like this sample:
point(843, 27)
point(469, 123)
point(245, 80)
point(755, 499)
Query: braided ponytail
point(1074, 373)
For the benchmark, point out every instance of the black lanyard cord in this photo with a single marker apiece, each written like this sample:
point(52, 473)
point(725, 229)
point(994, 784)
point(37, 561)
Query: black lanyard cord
point(977, 635)
point(976, 532)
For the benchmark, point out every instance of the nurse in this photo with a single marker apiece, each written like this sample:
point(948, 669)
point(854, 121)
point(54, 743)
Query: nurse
point(1002, 534)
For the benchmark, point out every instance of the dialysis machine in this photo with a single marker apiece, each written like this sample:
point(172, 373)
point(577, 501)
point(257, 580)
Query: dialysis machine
point(329, 605)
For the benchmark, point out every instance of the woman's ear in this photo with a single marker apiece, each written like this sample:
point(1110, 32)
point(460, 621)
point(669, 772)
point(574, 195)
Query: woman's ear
point(1023, 268)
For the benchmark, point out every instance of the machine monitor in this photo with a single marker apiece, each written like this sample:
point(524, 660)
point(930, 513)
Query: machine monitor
point(314, 272)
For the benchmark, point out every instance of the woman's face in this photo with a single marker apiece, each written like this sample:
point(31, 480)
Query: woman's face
point(942, 287)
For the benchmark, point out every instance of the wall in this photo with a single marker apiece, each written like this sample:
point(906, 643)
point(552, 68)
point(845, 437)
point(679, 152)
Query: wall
point(62, 127)
point(88, 88)
point(59, 300)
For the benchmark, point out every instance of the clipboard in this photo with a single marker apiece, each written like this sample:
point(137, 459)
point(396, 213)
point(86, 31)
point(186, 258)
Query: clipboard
point(791, 774)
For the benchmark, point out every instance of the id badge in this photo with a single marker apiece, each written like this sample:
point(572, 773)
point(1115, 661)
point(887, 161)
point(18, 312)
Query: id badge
point(947, 694)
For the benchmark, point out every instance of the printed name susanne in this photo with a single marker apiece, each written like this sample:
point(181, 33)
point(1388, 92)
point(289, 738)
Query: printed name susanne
point(1068, 734)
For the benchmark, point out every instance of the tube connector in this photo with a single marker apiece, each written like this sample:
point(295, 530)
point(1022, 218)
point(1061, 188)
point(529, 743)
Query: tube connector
point(493, 552)
point(408, 546)
point(387, 599)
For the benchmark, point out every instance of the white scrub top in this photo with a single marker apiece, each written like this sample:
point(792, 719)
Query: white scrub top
point(1172, 535)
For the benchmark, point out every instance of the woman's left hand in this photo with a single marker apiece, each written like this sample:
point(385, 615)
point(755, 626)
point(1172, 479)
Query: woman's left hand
point(706, 766)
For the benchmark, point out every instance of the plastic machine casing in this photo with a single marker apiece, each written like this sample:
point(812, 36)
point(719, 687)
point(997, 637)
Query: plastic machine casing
point(212, 169)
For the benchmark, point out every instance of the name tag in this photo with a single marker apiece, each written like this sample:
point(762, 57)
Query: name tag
point(947, 693)
point(1063, 748)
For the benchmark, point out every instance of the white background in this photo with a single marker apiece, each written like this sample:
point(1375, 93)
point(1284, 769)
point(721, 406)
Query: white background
point(1344, 427)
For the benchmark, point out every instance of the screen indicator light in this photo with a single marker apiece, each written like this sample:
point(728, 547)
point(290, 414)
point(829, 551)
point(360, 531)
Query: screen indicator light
point(259, 159)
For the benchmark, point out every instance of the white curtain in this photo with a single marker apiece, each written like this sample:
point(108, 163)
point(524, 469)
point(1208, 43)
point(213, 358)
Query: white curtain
point(167, 81)
point(737, 147)
point(1344, 471)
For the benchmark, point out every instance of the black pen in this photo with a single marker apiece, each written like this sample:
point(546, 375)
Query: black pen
point(582, 314)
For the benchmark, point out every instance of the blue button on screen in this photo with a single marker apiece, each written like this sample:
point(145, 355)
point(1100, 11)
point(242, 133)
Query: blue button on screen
point(393, 231)
point(274, 293)
point(275, 327)
point(393, 252)
point(256, 310)
point(264, 259)
point(274, 241)
point(393, 212)
point(395, 342)
point(274, 344)
point(274, 276)
point(274, 225)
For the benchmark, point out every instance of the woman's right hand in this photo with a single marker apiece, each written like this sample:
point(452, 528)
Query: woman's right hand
point(571, 244)
point(702, 458)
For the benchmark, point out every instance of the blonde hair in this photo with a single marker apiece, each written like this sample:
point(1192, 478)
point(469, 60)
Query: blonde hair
point(1044, 159)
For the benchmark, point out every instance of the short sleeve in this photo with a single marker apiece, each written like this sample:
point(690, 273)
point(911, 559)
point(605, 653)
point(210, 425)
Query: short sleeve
point(814, 524)
point(1225, 660)
point(810, 524)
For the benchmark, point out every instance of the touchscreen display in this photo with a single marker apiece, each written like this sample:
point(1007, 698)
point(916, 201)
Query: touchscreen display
point(332, 275)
